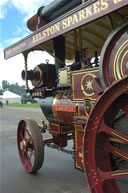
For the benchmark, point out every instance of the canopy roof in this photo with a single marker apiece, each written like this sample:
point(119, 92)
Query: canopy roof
point(85, 28)
point(8, 95)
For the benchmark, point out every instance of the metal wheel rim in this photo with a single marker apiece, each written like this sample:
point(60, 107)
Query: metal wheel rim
point(105, 62)
point(28, 150)
point(101, 178)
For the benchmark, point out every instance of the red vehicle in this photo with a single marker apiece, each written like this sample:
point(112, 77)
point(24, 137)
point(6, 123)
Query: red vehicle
point(84, 96)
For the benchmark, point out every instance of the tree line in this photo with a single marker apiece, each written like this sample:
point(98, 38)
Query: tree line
point(15, 88)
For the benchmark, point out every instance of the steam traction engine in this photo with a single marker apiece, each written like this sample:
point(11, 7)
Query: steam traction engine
point(84, 96)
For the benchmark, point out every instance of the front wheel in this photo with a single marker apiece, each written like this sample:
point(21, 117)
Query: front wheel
point(30, 145)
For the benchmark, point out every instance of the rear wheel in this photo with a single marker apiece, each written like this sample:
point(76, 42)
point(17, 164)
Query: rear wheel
point(114, 56)
point(106, 141)
point(30, 145)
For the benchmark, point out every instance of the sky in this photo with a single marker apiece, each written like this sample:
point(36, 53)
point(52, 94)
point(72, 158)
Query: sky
point(13, 18)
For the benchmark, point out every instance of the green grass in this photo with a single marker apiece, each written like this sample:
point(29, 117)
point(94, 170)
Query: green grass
point(33, 105)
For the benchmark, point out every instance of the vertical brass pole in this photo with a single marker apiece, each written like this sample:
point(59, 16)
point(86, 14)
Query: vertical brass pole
point(26, 68)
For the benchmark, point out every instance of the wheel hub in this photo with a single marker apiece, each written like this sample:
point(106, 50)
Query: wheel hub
point(30, 145)
point(23, 145)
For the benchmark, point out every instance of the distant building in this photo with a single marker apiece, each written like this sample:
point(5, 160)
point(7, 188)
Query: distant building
point(10, 97)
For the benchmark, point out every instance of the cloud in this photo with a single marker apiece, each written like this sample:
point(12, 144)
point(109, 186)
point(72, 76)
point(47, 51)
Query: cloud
point(1, 49)
point(11, 69)
point(3, 8)
point(18, 30)
point(26, 7)
point(11, 41)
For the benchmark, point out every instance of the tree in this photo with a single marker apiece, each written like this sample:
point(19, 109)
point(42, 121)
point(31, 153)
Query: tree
point(15, 88)
point(5, 84)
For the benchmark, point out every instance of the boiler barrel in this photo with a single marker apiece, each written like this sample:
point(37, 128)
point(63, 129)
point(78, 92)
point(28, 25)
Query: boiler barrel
point(57, 8)
point(52, 11)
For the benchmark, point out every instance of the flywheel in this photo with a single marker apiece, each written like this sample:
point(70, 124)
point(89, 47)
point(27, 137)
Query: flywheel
point(114, 56)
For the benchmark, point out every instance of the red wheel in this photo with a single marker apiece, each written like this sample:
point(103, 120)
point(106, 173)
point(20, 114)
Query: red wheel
point(30, 145)
point(114, 56)
point(106, 141)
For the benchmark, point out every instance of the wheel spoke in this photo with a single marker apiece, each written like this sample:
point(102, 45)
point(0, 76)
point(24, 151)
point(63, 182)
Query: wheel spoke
point(30, 146)
point(112, 175)
point(26, 155)
point(118, 153)
point(112, 139)
point(117, 135)
point(32, 153)
point(106, 141)
point(29, 139)
point(26, 132)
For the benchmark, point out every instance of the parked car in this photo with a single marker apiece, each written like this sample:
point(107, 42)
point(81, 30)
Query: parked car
point(27, 99)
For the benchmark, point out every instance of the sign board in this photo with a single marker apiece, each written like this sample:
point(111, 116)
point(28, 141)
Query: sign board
point(85, 13)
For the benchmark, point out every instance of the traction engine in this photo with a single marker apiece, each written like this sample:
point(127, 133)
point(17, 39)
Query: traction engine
point(84, 96)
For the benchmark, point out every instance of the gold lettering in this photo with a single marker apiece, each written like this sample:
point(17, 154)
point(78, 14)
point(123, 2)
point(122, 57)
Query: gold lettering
point(37, 39)
point(43, 35)
point(69, 20)
point(81, 15)
point(64, 23)
point(57, 27)
point(39, 35)
point(47, 31)
point(75, 19)
point(52, 31)
point(88, 11)
point(104, 4)
point(14, 49)
point(117, 1)
point(8, 52)
point(33, 39)
point(96, 7)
